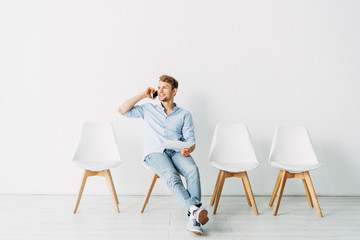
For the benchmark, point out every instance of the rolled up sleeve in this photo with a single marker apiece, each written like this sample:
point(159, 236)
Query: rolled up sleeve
point(188, 129)
point(135, 112)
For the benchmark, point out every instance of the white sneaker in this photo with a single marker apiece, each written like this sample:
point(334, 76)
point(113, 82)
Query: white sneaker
point(194, 226)
point(199, 214)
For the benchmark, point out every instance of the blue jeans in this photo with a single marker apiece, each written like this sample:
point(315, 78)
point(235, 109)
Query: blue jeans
point(167, 165)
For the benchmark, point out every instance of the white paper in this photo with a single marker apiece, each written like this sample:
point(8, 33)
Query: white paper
point(176, 145)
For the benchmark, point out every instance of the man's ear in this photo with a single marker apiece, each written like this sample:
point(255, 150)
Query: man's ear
point(174, 91)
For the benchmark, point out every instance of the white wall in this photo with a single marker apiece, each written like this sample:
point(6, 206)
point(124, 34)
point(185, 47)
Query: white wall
point(265, 63)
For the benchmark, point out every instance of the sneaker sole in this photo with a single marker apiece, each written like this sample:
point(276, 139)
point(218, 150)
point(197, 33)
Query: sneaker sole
point(196, 232)
point(203, 217)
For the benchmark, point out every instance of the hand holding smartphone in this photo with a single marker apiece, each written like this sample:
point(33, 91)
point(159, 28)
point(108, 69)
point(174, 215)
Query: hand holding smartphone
point(155, 94)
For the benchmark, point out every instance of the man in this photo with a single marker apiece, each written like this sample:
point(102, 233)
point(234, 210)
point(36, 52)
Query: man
point(167, 121)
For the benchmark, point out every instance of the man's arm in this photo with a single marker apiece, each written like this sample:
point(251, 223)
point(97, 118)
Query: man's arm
point(126, 106)
point(188, 134)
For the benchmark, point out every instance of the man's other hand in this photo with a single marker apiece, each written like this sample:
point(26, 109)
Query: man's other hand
point(185, 151)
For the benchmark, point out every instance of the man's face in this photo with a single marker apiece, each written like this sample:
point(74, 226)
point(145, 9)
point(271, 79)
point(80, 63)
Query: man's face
point(165, 93)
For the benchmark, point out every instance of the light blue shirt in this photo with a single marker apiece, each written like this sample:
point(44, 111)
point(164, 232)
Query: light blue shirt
point(159, 127)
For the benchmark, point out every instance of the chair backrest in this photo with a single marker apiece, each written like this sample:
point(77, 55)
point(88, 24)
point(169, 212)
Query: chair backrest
point(97, 143)
point(292, 145)
point(231, 144)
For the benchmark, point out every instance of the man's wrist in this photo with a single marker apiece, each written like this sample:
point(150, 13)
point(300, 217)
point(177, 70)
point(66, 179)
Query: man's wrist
point(142, 95)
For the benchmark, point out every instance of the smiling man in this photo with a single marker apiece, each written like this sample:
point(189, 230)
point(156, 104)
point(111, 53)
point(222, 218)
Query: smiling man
point(167, 121)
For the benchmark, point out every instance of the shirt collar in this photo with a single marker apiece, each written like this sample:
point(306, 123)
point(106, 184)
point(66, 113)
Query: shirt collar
point(176, 108)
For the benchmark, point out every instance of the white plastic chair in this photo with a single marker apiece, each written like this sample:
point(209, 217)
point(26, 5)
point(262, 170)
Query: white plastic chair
point(97, 152)
point(292, 152)
point(233, 154)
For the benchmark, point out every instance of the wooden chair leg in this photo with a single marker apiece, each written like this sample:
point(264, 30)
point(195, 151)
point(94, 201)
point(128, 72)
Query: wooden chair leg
point(280, 191)
point(276, 188)
point(250, 193)
point(246, 193)
point(81, 190)
point(215, 190)
point(153, 181)
point(312, 193)
point(218, 194)
point(307, 193)
point(111, 187)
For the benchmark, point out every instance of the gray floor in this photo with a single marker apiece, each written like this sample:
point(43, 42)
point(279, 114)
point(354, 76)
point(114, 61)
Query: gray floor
point(50, 217)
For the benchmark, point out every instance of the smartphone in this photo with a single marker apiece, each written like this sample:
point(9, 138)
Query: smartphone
point(155, 94)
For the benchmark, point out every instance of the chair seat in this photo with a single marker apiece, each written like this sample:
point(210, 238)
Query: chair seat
point(295, 168)
point(97, 166)
point(235, 167)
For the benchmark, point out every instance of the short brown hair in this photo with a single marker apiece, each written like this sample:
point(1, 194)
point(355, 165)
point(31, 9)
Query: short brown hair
point(169, 79)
